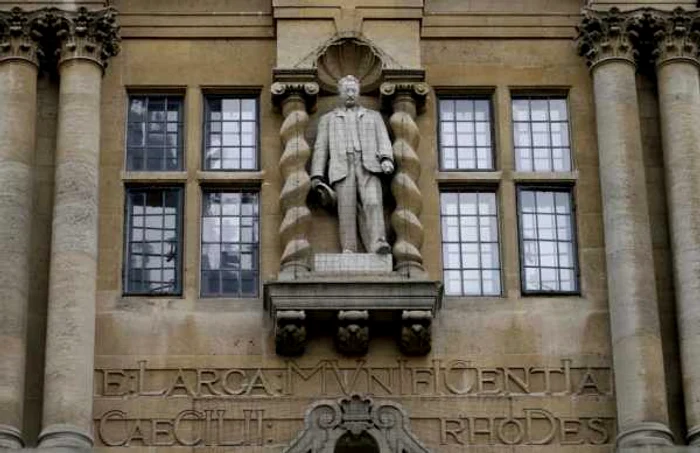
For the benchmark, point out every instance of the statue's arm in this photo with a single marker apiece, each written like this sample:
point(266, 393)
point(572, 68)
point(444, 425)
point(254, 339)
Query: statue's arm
point(320, 155)
point(385, 150)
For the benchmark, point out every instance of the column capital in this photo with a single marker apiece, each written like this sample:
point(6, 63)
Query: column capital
point(283, 91)
point(671, 35)
point(606, 36)
point(20, 32)
point(85, 35)
point(417, 91)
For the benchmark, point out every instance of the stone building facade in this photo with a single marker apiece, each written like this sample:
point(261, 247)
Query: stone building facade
point(170, 281)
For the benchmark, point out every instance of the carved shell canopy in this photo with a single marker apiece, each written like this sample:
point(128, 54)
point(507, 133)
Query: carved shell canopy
point(355, 55)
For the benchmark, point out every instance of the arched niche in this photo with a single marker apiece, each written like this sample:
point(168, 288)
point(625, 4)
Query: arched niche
point(350, 424)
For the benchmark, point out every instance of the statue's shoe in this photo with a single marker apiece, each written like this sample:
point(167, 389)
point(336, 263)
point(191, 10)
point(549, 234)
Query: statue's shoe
point(382, 247)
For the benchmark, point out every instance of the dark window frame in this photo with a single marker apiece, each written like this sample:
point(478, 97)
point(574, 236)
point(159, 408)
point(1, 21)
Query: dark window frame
point(563, 188)
point(481, 96)
point(546, 96)
point(179, 231)
point(257, 154)
point(181, 126)
point(243, 189)
point(480, 188)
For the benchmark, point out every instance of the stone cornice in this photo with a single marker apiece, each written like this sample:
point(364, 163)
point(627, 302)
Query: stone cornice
point(605, 36)
point(20, 34)
point(87, 35)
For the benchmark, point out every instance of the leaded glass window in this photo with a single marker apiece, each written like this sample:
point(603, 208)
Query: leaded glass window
point(541, 134)
point(466, 134)
point(470, 243)
point(230, 261)
point(154, 133)
point(231, 133)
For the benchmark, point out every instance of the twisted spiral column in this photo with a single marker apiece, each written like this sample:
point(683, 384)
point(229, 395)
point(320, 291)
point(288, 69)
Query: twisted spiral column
point(294, 99)
point(405, 100)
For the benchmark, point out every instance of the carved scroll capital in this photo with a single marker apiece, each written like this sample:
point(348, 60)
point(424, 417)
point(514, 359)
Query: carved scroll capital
point(86, 35)
point(301, 90)
point(417, 91)
point(20, 34)
point(606, 35)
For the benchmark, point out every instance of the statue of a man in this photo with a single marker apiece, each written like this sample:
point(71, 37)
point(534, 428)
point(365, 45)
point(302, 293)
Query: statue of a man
point(353, 143)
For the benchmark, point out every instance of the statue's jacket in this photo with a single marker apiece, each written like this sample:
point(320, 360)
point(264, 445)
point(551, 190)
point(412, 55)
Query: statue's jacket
point(332, 143)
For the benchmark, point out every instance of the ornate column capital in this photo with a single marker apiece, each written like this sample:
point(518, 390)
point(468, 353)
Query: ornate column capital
point(670, 35)
point(86, 35)
point(417, 91)
point(20, 33)
point(605, 36)
point(304, 91)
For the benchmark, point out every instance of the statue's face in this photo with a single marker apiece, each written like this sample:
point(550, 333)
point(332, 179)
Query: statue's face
point(349, 91)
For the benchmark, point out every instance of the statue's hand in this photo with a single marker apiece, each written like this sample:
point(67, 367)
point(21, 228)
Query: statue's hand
point(315, 181)
point(387, 167)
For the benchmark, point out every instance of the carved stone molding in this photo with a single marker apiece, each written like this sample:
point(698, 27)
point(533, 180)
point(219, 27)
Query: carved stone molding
point(290, 332)
point(20, 35)
point(353, 332)
point(416, 332)
point(295, 99)
point(606, 35)
point(663, 36)
point(87, 35)
point(326, 422)
point(406, 100)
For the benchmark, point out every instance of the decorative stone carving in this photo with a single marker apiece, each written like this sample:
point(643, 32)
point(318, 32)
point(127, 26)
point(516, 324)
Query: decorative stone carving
point(348, 54)
point(294, 98)
point(290, 332)
point(416, 332)
point(88, 35)
point(406, 99)
point(353, 332)
point(605, 35)
point(327, 421)
point(662, 36)
point(20, 33)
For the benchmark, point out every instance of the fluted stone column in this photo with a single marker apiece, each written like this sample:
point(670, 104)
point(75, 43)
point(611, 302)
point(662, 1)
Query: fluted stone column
point(295, 99)
point(678, 35)
point(634, 319)
point(87, 40)
point(405, 100)
point(18, 90)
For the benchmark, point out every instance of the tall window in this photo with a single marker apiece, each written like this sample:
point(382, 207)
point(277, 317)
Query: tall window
point(154, 133)
point(229, 263)
point(541, 134)
point(470, 245)
point(230, 141)
point(466, 134)
point(153, 257)
point(547, 245)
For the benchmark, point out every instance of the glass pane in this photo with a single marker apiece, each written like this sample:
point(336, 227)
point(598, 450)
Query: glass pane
point(539, 109)
point(447, 110)
point(464, 110)
point(540, 134)
point(211, 256)
point(481, 110)
point(560, 134)
point(449, 203)
point(487, 203)
point(470, 256)
point(467, 203)
point(472, 283)
point(137, 109)
point(558, 110)
point(532, 279)
point(450, 229)
point(490, 256)
point(491, 282)
point(466, 158)
point(527, 201)
point(248, 109)
point(451, 256)
point(545, 202)
point(521, 110)
point(469, 228)
point(522, 134)
point(453, 282)
point(231, 109)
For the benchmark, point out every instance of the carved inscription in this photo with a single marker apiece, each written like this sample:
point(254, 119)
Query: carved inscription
point(331, 378)
point(257, 406)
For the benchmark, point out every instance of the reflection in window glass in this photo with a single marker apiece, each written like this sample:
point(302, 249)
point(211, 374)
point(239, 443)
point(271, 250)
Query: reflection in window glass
point(152, 264)
point(154, 133)
point(465, 134)
point(229, 264)
point(231, 134)
point(548, 253)
point(541, 134)
point(470, 246)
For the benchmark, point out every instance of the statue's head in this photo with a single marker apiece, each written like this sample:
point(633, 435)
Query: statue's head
point(349, 90)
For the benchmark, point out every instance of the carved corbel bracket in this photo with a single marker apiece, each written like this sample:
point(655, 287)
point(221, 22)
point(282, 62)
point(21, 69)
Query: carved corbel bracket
point(290, 332)
point(416, 332)
point(352, 337)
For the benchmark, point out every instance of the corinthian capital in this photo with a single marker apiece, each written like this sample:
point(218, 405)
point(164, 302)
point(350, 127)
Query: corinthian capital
point(670, 35)
point(606, 35)
point(88, 35)
point(19, 36)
